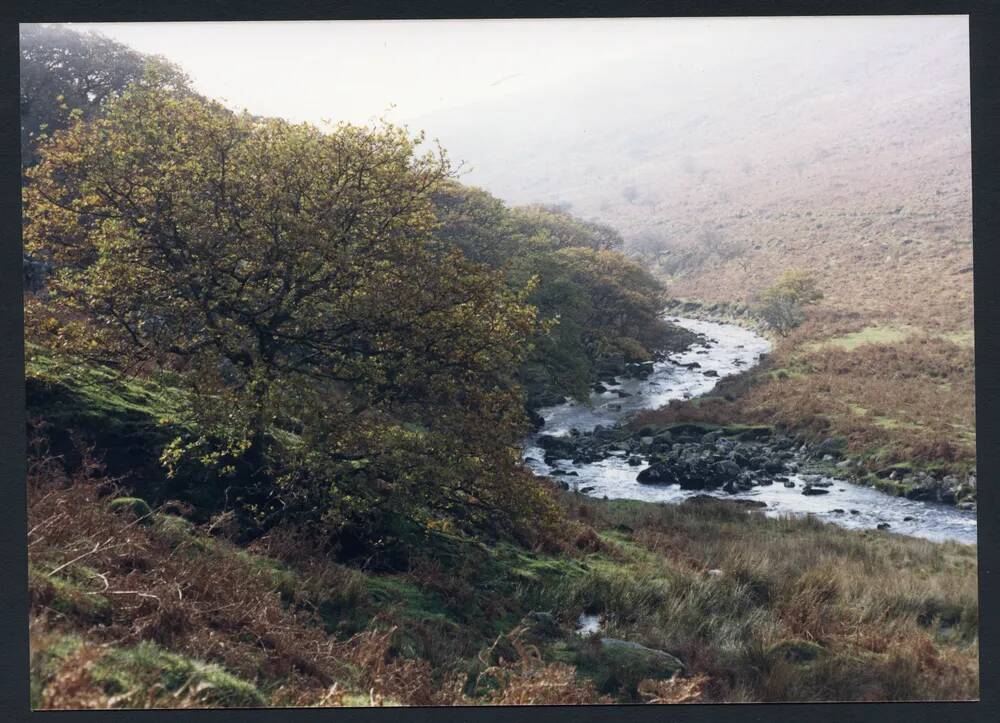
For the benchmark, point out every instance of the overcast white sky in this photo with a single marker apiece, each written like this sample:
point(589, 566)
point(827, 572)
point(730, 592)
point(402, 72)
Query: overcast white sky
point(358, 70)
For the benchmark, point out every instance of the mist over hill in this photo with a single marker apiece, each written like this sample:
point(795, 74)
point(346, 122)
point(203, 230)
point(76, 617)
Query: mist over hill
point(838, 144)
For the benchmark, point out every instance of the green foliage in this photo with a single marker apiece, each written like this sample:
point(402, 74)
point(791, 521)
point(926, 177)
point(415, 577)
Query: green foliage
point(560, 229)
point(46, 661)
point(67, 74)
point(69, 593)
point(616, 666)
point(128, 420)
point(598, 309)
point(336, 356)
point(780, 305)
point(134, 506)
point(133, 673)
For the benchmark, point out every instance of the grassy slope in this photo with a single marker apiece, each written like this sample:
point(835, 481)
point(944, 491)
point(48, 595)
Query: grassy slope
point(899, 394)
point(167, 612)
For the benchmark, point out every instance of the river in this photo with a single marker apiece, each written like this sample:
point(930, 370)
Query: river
point(729, 349)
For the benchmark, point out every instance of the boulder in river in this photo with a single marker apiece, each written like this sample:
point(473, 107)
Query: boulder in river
point(558, 447)
point(814, 491)
point(774, 466)
point(658, 474)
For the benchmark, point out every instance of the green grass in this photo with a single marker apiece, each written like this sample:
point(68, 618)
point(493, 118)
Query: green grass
point(72, 394)
point(143, 675)
point(140, 670)
point(70, 592)
point(799, 610)
point(868, 335)
point(962, 338)
point(891, 423)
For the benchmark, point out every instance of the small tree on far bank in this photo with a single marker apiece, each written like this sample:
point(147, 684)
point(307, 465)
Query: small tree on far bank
point(781, 304)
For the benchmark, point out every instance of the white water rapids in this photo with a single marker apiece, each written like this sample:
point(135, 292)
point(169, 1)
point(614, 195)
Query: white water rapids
point(729, 349)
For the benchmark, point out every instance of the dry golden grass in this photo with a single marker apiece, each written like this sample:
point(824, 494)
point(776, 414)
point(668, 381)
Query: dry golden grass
point(127, 578)
point(909, 400)
point(887, 617)
point(893, 618)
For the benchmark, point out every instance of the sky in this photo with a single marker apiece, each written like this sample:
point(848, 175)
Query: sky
point(359, 71)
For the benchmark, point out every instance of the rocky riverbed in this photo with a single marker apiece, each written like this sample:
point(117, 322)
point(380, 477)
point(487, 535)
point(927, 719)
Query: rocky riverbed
point(585, 447)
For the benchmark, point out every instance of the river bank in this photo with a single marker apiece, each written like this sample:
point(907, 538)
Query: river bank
point(591, 450)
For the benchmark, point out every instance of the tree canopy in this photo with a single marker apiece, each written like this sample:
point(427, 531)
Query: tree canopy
point(602, 310)
point(291, 279)
point(63, 71)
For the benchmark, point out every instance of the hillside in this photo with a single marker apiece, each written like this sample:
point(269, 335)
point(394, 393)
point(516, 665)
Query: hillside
point(316, 420)
point(846, 153)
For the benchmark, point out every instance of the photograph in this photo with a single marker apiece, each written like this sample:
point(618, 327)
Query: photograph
point(499, 362)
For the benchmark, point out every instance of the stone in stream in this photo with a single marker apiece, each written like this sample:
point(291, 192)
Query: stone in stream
point(773, 466)
point(634, 461)
point(556, 446)
point(814, 491)
point(658, 474)
point(882, 526)
point(710, 373)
